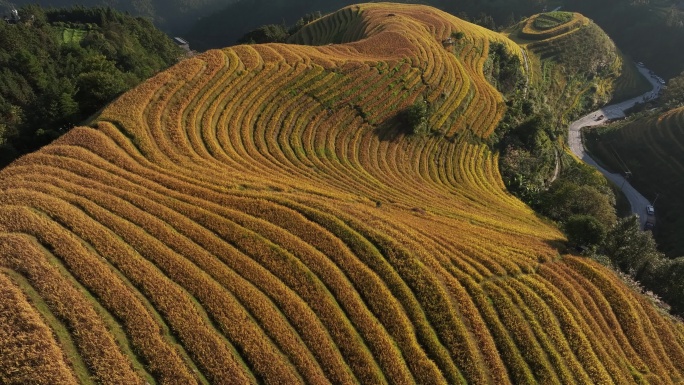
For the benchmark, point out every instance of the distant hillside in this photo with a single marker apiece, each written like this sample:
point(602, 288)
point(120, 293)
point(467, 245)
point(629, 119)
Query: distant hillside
point(320, 212)
point(62, 65)
point(226, 26)
point(170, 15)
point(648, 31)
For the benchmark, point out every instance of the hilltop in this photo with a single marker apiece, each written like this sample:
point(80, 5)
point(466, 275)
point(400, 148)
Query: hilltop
point(571, 66)
point(269, 214)
point(575, 63)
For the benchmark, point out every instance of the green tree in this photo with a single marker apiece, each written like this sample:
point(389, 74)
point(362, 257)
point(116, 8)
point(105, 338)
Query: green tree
point(634, 251)
point(98, 87)
point(270, 33)
point(458, 35)
point(565, 199)
point(68, 107)
point(585, 230)
point(666, 278)
point(416, 118)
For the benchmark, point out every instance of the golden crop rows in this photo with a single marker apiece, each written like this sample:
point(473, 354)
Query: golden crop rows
point(258, 215)
point(25, 337)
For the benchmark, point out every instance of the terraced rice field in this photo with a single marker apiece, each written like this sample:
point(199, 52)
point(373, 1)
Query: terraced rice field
point(631, 82)
point(256, 215)
point(552, 20)
point(544, 45)
point(545, 26)
point(652, 149)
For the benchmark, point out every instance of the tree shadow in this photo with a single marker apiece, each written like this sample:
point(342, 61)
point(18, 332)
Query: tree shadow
point(392, 129)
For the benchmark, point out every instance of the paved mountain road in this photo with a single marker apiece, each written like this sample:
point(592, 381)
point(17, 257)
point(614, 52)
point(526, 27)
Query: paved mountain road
point(613, 111)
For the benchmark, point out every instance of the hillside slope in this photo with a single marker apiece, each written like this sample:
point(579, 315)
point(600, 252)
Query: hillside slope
point(256, 215)
point(651, 148)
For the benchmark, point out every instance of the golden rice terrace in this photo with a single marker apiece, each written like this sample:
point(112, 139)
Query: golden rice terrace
point(255, 215)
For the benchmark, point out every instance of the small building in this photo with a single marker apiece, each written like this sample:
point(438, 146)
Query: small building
point(13, 18)
point(182, 43)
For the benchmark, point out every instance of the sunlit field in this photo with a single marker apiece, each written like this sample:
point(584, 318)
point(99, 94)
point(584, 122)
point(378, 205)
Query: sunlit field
point(258, 214)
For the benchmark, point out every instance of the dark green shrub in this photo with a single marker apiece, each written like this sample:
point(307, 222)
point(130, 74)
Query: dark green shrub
point(585, 230)
point(416, 118)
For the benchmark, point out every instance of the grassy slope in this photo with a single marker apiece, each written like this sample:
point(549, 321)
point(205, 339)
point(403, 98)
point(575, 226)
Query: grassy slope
point(257, 214)
point(652, 148)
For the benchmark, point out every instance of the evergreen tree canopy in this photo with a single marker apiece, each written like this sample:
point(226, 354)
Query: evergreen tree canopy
point(59, 66)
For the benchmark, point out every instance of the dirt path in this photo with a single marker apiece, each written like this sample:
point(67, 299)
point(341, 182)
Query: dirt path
point(613, 111)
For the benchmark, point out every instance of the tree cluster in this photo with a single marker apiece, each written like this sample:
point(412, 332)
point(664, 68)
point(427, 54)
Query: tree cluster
point(674, 93)
point(415, 118)
point(528, 149)
point(48, 85)
point(504, 70)
point(277, 33)
point(169, 15)
point(524, 136)
point(635, 252)
point(582, 202)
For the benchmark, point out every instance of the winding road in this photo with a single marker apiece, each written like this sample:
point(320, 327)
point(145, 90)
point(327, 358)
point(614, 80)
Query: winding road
point(598, 117)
